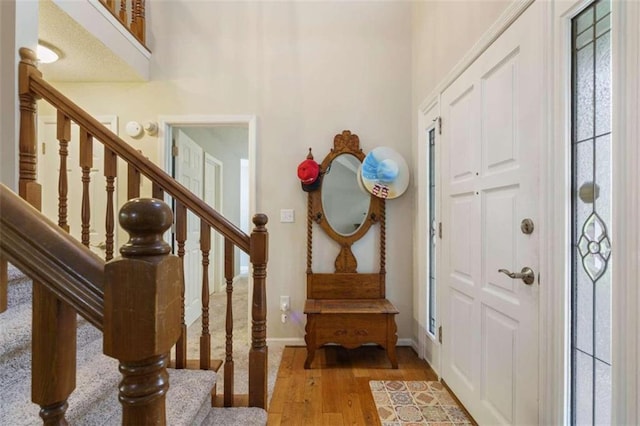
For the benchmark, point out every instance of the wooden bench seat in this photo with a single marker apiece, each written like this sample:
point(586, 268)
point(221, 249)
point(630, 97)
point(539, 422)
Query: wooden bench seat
point(350, 323)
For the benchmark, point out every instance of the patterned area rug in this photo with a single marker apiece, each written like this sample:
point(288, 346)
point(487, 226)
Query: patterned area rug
point(416, 403)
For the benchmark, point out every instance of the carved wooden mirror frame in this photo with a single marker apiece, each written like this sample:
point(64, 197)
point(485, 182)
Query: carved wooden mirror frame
point(346, 262)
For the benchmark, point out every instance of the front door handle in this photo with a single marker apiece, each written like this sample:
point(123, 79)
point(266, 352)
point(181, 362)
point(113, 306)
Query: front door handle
point(526, 275)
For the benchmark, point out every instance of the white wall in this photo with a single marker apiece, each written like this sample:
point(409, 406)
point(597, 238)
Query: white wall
point(19, 23)
point(442, 33)
point(307, 70)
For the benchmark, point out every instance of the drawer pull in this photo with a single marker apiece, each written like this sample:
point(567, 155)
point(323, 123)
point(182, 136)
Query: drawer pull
point(362, 332)
point(340, 332)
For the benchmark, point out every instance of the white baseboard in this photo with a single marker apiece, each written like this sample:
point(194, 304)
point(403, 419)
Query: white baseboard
point(299, 341)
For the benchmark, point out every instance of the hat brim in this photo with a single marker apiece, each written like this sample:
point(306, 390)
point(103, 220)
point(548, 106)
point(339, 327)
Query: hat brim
point(310, 187)
point(387, 190)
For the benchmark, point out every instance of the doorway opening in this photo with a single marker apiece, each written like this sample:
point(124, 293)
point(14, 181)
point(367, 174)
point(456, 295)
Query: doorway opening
point(213, 157)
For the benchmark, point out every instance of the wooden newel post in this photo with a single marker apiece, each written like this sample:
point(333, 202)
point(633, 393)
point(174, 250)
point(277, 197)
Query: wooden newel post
point(142, 310)
point(259, 351)
point(53, 375)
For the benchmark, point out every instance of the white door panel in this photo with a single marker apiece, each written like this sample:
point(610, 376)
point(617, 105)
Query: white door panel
point(491, 117)
point(189, 171)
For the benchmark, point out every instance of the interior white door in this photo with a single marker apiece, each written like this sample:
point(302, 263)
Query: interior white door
point(213, 197)
point(49, 171)
point(492, 131)
point(189, 165)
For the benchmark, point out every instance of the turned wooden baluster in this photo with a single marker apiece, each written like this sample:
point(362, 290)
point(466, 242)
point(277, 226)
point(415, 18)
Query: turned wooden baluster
point(157, 191)
point(123, 12)
point(181, 237)
point(228, 361)
point(64, 136)
point(110, 174)
point(259, 351)
point(205, 337)
point(53, 346)
point(138, 20)
point(141, 311)
point(86, 163)
point(133, 182)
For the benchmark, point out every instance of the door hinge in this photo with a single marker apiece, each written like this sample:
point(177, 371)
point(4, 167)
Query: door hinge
point(440, 334)
point(174, 150)
point(439, 125)
point(44, 148)
point(440, 230)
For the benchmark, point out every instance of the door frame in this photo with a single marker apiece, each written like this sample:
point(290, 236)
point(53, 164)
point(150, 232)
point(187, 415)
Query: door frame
point(428, 345)
point(165, 141)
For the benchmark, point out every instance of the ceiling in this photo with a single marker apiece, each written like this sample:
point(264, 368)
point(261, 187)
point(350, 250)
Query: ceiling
point(84, 58)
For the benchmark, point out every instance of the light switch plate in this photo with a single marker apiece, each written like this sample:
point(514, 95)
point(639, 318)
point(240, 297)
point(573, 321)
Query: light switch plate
point(287, 216)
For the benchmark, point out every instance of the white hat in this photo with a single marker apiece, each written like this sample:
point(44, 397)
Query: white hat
point(384, 173)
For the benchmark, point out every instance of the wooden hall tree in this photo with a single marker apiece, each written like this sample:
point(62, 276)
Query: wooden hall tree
point(346, 307)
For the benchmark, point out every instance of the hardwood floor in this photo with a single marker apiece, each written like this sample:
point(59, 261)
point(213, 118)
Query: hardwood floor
point(336, 390)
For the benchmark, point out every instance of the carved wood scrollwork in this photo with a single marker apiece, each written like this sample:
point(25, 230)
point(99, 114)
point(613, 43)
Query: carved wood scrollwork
point(343, 143)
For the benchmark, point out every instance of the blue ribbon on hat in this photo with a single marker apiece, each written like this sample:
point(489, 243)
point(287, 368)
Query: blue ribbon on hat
point(385, 171)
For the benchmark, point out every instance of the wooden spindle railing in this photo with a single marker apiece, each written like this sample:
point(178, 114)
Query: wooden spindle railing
point(181, 238)
point(133, 182)
point(205, 337)
point(110, 174)
point(32, 86)
point(229, 273)
point(131, 14)
point(64, 137)
point(86, 163)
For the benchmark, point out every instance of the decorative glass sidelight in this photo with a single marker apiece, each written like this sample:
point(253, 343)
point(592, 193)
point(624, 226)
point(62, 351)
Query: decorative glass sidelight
point(432, 233)
point(591, 216)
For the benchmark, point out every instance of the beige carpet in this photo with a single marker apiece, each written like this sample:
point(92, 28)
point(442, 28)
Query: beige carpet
point(241, 338)
point(416, 403)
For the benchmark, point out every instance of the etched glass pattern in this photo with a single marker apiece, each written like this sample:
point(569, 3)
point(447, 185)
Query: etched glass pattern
point(432, 233)
point(591, 216)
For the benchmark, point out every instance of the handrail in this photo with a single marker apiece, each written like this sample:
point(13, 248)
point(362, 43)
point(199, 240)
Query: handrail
point(49, 255)
point(125, 151)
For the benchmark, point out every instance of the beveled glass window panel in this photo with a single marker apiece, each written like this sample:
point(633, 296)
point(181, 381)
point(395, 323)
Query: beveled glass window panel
point(603, 8)
point(591, 217)
point(584, 21)
point(584, 91)
point(583, 311)
point(585, 38)
point(603, 25)
point(432, 233)
point(603, 84)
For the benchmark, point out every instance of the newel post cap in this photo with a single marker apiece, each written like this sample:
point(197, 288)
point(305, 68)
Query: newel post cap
point(146, 220)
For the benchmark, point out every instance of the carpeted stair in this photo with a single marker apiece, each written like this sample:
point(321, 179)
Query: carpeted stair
point(95, 399)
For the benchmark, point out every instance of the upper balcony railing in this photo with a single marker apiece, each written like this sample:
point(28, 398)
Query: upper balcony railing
point(131, 13)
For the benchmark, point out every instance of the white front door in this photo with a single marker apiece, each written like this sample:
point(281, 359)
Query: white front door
point(491, 138)
point(189, 165)
point(49, 172)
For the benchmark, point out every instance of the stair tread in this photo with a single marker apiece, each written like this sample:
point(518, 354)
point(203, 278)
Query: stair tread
point(95, 400)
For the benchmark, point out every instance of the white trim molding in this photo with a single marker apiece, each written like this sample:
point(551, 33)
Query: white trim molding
point(625, 239)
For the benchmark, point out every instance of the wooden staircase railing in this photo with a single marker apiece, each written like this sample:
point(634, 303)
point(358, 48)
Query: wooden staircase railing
point(32, 86)
point(134, 300)
point(131, 13)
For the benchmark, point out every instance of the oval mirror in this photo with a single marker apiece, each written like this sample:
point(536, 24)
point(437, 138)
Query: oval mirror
point(345, 205)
